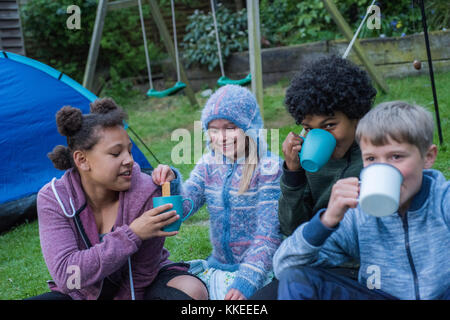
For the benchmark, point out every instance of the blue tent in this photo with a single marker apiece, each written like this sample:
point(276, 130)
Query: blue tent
point(30, 95)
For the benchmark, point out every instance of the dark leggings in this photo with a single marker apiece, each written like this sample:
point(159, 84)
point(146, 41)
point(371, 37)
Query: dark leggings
point(158, 290)
point(307, 283)
point(270, 291)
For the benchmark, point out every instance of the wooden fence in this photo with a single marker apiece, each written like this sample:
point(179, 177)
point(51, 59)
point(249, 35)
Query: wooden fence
point(393, 57)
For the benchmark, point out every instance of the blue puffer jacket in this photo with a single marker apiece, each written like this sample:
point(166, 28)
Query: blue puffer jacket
point(407, 257)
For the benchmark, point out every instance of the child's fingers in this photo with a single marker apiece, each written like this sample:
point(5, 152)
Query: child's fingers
point(353, 203)
point(342, 204)
point(353, 181)
point(294, 138)
point(349, 192)
point(292, 144)
point(157, 210)
point(166, 218)
point(228, 295)
point(166, 234)
point(160, 174)
point(167, 174)
point(155, 176)
point(164, 173)
point(296, 148)
point(350, 202)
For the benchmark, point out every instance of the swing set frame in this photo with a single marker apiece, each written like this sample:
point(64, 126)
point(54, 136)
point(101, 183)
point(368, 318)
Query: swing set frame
point(254, 47)
point(179, 85)
point(103, 7)
point(254, 50)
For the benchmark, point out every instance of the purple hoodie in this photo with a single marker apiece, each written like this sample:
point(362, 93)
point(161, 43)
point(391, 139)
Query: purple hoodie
point(65, 252)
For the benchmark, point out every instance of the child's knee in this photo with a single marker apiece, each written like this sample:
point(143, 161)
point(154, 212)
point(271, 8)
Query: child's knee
point(297, 274)
point(190, 285)
point(293, 282)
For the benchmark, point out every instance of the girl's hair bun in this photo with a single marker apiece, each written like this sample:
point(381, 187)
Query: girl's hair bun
point(104, 105)
point(68, 120)
point(61, 157)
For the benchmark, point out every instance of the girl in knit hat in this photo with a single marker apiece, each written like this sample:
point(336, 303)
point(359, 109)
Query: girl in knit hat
point(238, 180)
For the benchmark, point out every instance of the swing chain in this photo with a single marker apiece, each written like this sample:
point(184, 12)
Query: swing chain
point(147, 58)
point(213, 10)
point(144, 36)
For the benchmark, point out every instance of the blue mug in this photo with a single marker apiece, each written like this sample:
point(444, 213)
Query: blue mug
point(317, 148)
point(177, 202)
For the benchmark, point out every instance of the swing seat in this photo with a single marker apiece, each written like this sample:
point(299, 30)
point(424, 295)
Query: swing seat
point(168, 92)
point(225, 80)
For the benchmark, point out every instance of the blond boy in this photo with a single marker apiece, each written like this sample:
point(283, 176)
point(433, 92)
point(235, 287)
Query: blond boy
point(402, 256)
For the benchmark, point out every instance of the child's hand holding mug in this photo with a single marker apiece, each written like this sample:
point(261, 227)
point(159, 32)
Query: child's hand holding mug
point(291, 147)
point(162, 175)
point(150, 223)
point(344, 195)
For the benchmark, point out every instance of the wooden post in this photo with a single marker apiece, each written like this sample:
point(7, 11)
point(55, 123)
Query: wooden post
point(168, 43)
point(348, 34)
point(254, 40)
point(121, 4)
point(94, 47)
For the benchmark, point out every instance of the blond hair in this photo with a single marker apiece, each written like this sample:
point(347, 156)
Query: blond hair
point(399, 121)
point(251, 161)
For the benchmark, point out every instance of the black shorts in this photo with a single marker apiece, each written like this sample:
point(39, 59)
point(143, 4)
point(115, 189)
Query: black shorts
point(158, 290)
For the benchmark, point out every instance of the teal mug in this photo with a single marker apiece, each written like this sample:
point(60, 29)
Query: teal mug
point(317, 148)
point(177, 202)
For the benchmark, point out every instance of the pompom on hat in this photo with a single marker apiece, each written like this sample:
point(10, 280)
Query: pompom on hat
point(238, 105)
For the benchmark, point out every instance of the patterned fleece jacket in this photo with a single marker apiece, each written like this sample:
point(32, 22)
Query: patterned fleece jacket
point(244, 229)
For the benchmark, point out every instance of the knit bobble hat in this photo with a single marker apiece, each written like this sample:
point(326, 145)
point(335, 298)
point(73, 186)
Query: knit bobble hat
point(238, 105)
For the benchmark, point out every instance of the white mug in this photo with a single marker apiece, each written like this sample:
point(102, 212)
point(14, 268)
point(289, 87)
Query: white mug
point(380, 189)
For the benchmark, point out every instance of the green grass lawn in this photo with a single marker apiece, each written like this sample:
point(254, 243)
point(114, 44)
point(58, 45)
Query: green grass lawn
point(23, 271)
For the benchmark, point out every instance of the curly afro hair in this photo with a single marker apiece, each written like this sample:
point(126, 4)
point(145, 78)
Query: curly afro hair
point(68, 120)
point(81, 130)
point(103, 106)
point(328, 85)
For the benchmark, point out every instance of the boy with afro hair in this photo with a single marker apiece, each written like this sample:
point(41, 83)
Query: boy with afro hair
point(331, 94)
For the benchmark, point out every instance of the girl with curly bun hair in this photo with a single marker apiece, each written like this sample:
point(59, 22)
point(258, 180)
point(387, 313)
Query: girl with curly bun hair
point(101, 238)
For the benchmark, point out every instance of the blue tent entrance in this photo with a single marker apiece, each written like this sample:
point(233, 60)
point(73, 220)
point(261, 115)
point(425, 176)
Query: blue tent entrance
point(30, 95)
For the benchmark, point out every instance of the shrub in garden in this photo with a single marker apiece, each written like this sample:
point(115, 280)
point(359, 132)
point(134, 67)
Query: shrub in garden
point(199, 43)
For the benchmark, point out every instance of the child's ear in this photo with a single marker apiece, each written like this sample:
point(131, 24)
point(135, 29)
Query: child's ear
point(81, 161)
point(430, 156)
